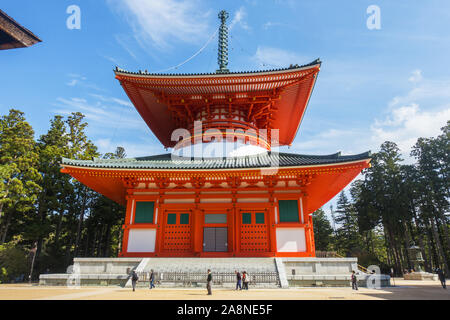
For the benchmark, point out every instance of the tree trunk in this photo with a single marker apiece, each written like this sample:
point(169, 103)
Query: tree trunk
point(6, 227)
point(58, 227)
point(80, 223)
point(441, 253)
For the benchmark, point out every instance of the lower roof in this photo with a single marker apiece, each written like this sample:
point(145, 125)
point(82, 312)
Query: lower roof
point(166, 161)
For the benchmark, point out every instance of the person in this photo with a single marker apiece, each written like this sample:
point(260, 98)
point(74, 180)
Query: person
point(238, 280)
point(441, 277)
point(245, 279)
point(134, 279)
point(354, 281)
point(152, 279)
point(208, 282)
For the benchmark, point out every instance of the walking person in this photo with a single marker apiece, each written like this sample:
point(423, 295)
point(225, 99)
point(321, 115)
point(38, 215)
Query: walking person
point(238, 280)
point(441, 277)
point(152, 279)
point(245, 280)
point(134, 279)
point(354, 281)
point(209, 282)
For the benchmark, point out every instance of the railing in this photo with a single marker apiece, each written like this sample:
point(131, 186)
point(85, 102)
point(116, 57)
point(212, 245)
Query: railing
point(333, 254)
point(188, 278)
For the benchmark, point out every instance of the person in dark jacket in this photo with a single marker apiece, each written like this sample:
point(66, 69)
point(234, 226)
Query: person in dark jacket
point(209, 282)
point(441, 277)
point(238, 280)
point(354, 281)
point(152, 279)
point(134, 279)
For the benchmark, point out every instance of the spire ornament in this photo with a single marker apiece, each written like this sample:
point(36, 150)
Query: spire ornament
point(222, 57)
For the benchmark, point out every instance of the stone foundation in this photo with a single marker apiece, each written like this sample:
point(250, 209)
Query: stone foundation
point(281, 272)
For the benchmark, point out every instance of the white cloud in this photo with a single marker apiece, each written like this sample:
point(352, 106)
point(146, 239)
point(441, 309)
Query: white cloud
point(420, 112)
point(101, 116)
point(163, 21)
point(416, 76)
point(405, 124)
point(275, 57)
point(239, 19)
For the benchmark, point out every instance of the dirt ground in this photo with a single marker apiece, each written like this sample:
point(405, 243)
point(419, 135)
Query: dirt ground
point(403, 290)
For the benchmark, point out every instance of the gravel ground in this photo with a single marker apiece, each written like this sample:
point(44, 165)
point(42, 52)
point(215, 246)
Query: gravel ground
point(403, 290)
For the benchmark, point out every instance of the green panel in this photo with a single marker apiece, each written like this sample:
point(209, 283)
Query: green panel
point(184, 218)
point(216, 218)
point(172, 218)
point(246, 218)
point(288, 210)
point(144, 212)
point(259, 217)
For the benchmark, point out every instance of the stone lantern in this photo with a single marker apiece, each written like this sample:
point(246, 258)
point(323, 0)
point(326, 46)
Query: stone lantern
point(415, 255)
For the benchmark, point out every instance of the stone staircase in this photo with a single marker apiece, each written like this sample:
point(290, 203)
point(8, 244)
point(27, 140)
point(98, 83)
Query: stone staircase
point(177, 272)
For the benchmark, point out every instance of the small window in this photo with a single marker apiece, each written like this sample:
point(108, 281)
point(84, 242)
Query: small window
point(246, 218)
point(259, 217)
point(172, 218)
point(144, 212)
point(288, 210)
point(184, 218)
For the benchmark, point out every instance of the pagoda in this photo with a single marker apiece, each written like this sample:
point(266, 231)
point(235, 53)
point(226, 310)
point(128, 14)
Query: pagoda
point(243, 198)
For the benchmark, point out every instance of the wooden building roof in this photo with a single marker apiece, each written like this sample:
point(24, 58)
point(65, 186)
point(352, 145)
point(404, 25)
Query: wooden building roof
point(13, 35)
point(167, 101)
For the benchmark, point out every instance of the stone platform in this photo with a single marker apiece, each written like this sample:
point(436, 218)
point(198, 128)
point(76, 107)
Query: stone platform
point(191, 272)
point(420, 276)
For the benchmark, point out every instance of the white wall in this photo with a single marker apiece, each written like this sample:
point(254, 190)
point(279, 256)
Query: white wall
point(291, 240)
point(141, 240)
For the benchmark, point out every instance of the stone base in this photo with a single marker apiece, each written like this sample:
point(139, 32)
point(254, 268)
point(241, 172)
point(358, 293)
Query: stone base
point(284, 272)
point(420, 276)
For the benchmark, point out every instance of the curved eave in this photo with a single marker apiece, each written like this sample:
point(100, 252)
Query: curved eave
point(125, 73)
point(216, 170)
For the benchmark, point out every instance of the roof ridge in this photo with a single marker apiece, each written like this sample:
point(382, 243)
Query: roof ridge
point(146, 73)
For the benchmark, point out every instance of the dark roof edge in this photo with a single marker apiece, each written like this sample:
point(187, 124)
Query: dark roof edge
point(19, 26)
point(118, 70)
point(167, 157)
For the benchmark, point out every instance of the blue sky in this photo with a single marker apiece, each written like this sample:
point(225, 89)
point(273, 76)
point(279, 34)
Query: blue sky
point(374, 85)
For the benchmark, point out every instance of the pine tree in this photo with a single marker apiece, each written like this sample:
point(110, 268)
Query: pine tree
point(347, 227)
point(322, 231)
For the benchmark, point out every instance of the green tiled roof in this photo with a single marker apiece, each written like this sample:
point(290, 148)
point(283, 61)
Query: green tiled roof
point(292, 67)
point(164, 161)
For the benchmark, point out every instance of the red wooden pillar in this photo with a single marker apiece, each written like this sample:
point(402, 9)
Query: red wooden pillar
point(126, 226)
point(304, 205)
point(271, 220)
point(313, 245)
point(160, 229)
point(198, 234)
point(157, 220)
point(230, 225)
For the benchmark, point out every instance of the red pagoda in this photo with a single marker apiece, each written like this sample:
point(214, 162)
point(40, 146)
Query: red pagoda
point(249, 201)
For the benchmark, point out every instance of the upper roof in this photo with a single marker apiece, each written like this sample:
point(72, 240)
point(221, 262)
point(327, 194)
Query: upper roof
point(165, 162)
point(120, 71)
point(156, 95)
point(13, 35)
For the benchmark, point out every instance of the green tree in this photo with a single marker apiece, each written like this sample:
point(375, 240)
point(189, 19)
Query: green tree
point(19, 176)
point(347, 236)
point(323, 233)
